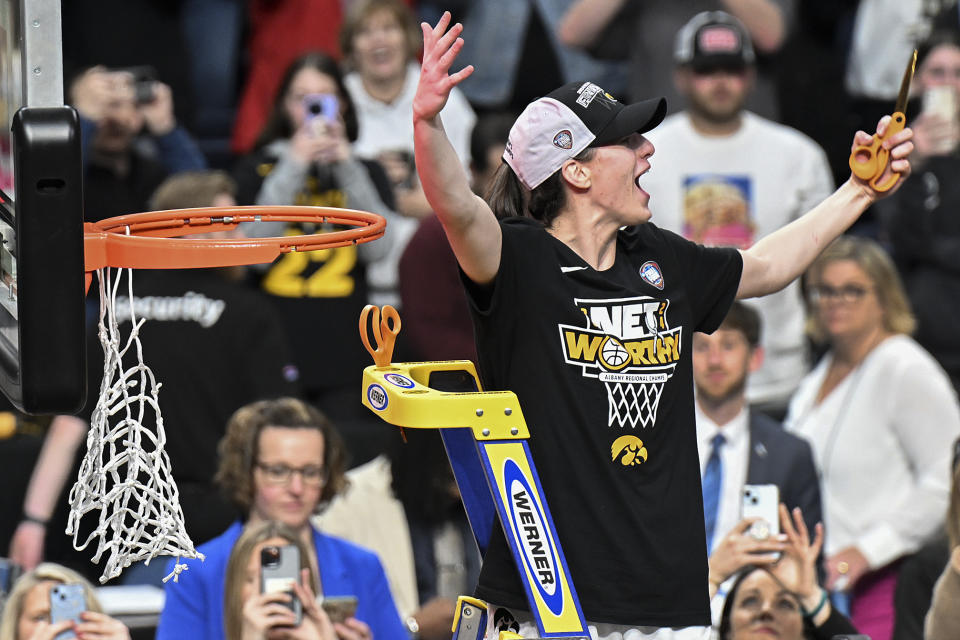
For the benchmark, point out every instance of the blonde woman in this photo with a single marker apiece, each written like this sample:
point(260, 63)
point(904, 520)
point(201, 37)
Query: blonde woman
point(251, 615)
point(880, 415)
point(26, 614)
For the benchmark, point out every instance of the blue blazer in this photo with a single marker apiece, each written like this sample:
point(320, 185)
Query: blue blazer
point(781, 458)
point(194, 605)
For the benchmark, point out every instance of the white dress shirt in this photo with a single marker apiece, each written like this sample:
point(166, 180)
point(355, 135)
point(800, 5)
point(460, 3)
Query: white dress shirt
point(734, 458)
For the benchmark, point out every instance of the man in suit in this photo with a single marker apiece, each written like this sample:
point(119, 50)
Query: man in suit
point(739, 446)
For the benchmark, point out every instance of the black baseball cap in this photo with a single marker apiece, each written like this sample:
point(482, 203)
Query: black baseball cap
point(712, 40)
point(578, 115)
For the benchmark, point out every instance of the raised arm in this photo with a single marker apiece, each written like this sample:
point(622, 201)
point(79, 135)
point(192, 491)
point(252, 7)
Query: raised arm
point(764, 20)
point(779, 258)
point(585, 20)
point(472, 229)
point(64, 437)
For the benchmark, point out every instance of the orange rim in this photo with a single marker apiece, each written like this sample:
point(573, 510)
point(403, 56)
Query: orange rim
point(152, 240)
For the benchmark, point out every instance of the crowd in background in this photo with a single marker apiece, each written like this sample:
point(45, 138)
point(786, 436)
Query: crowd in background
point(309, 102)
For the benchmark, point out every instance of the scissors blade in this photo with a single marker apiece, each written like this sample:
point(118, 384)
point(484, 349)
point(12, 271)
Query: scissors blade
point(901, 106)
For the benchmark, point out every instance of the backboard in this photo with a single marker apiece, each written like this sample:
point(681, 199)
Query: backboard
point(42, 354)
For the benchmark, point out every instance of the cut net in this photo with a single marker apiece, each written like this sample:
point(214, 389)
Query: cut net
point(632, 402)
point(125, 474)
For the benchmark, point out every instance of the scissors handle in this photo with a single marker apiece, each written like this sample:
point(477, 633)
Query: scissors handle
point(869, 161)
point(385, 330)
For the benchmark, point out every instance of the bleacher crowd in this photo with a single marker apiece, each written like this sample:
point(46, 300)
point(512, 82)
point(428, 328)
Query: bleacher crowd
point(841, 389)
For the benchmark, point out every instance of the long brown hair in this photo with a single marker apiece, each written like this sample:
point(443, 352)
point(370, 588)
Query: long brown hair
point(237, 569)
point(508, 197)
point(239, 447)
point(278, 125)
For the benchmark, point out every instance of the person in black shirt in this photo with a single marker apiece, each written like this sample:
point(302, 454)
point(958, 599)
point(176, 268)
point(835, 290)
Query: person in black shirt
point(585, 309)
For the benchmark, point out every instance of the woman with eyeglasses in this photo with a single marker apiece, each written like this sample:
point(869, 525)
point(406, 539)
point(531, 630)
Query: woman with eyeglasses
point(881, 415)
point(279, 460)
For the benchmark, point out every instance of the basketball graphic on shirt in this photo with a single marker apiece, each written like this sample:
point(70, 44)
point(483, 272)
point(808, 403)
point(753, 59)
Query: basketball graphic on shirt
point(630, 347)
point(613, 355)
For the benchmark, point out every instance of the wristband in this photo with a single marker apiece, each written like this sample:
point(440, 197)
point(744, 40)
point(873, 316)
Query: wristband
point(26, 517)
point(818, 608)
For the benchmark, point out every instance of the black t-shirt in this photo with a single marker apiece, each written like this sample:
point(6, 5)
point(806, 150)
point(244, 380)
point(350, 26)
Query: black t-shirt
point(319, 294)
point(600, 363)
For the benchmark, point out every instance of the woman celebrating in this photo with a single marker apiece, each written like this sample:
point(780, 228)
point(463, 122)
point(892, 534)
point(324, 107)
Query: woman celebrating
point(881, 415)
point(590, 326)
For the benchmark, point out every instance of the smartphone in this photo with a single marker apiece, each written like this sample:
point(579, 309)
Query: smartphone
point(67, 602)
point(321, 105)
point(279, 571)
point(339, 608)
point(762, 501)
point(941, 100)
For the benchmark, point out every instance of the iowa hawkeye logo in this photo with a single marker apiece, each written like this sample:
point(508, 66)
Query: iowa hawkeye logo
point(628, 344)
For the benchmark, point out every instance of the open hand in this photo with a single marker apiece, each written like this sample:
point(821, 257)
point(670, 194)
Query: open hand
point(440, 49)
point(797, 569)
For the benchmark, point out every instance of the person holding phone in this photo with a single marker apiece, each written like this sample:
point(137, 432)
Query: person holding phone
point(783, 600)
point(304, 156)
point(27, 611)
point(920, 220)
point(131, 140)
point(279, 459)
point(251, 611)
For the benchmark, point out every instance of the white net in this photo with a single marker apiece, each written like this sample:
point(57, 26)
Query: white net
point(632, 403)
point(125, 474)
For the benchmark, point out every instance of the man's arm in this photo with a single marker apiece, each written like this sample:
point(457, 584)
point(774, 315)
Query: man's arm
point(779, 258)
point(472, 229)
point(64, 437)
point(764, 21)
point(585, 20)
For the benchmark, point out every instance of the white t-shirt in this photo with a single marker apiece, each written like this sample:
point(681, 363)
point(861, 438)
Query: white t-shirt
point(731, 191)
point(389, 126)
point(884, 34)
point(882, 440)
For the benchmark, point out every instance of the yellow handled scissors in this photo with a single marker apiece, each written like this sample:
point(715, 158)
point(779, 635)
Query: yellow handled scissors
point(868, 162)
point(385, 332)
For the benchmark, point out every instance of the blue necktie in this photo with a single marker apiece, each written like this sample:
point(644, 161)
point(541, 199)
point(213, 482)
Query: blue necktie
point(712, 481)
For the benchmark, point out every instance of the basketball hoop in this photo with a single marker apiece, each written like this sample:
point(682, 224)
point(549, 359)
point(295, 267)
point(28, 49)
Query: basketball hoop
point(125, 474)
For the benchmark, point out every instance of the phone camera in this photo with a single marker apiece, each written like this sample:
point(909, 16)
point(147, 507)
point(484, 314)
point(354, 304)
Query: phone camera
point(270, 556)
point(315, 108)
